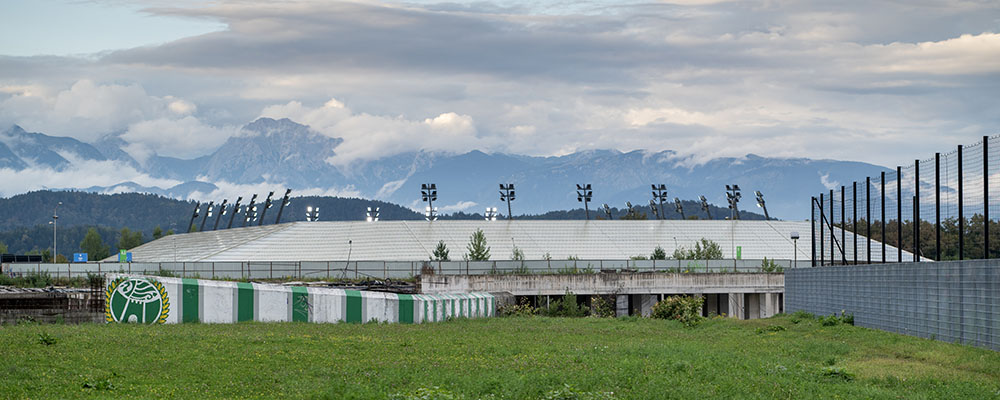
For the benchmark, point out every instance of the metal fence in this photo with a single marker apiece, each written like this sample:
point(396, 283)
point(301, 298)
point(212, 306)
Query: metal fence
point(938, 208)
point(953, 301)
point(393, 269)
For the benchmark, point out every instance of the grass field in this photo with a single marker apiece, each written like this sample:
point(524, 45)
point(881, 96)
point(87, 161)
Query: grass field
point(518, 358)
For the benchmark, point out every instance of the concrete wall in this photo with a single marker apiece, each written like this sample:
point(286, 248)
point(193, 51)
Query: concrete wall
point(148, 299)
point(953, 301)
point(606, 283)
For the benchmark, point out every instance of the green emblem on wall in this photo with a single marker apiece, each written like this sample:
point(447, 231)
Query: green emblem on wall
point(136, 300)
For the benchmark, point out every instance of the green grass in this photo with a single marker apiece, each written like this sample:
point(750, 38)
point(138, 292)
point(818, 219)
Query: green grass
point(530, 357)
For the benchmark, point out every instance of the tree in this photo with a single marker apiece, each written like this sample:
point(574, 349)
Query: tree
point(157, 232)
point(3, 248)
point(658, 254)
point(516, 254)
point(128, 239)
point(93, 245)
point(703, 250)
point(478, 250)
point(441, 252)
point(169, 232)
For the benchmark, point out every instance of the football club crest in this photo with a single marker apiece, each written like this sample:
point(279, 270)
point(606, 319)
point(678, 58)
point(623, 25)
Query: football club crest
point(136, 300)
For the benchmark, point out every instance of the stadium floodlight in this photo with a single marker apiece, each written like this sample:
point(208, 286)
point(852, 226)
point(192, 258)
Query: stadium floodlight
point(208, 214)
point(222, 213)
point(660, 195)
point(491, 213)
point(507, 194)
point(607, 210)
point(267, 204)
point(760, 203)
point(733, 197)
point(197, 206)
point(652, 207)
point(236, 210)
point(704, 206)
point(372, 214)
point(584, 194)
point(312, 214)
point(429, 193)
point(285, 201)
point(431, 213)
point(250, 211)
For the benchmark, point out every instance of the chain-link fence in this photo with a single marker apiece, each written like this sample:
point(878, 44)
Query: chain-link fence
point(940, 208)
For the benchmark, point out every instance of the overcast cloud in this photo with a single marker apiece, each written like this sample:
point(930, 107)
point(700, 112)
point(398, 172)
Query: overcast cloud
point(882, 82)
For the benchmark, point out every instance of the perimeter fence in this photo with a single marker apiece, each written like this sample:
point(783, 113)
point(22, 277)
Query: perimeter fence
point(935, 209)
point(393, 269)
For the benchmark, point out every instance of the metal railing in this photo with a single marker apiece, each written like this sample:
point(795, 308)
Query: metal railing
point(934, 209)
point(392, 269)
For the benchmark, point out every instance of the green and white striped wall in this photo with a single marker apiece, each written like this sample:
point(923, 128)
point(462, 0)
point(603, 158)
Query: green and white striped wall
point(208, 301)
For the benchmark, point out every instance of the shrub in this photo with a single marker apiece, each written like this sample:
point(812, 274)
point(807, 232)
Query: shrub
point(565, 307)
point(440, 252)
point(685, 309)
point(703, 250)
point(658, 254)
point(837, 373)
point(46, 339)
point(604, 306)
point(517, 310)
point(770, 266)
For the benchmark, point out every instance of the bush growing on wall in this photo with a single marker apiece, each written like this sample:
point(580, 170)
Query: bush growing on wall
point(770, 266)
point(658, 254)
point(441, 252)
point(703, 250)
point(685, 309)
point(565, 307)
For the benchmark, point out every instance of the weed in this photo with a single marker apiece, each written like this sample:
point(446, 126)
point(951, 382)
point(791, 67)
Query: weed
point(770, 329)
point(837, 373)
point(99, 384)
point(517, 310)
point(46, 339)
point(568, 392)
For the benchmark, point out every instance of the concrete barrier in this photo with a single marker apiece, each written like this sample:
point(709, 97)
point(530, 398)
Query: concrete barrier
point(151, 299)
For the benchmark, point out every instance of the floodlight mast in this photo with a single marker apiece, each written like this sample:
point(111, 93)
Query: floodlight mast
point(208, 213)
point(372, 214)
point(491, 214)
point(679, 207)
point(197, 205)
point(660, 195)
point(507, 194)
point(250, 208)
point(428, 193)
point(267, 204)
point(236, 210)
point(761, 204)
point(222, 213)
point(285, 201)
point(607, 210)
point(704, 206)
point(584, 194)
point(55, 224)
point(312, 214)
point(652, 206)
point(733, 196)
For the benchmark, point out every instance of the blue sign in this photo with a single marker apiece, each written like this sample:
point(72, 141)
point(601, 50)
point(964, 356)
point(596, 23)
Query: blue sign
point(128, 257)
point(79, 257)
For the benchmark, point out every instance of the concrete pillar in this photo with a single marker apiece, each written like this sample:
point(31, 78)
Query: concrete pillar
point(736, 305)
point(646, 302)
point(752, 305)
point(770, 305)
point(621, 305)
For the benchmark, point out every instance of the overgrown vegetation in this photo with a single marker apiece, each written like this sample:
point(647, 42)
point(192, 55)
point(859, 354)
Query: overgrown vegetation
point(498, 358)
point(704, 249)
point(565, 306)
point(686, 309)
point(44, 279)
point(770, 266)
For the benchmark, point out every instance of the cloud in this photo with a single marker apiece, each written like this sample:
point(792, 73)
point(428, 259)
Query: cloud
point(85, 173)
point(229, 190)
point(370, 137)
point(185, 137)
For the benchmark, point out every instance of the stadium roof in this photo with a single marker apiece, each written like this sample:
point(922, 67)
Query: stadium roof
point(416, 240)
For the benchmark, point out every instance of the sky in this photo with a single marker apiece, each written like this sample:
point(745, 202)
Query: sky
point(883, 82)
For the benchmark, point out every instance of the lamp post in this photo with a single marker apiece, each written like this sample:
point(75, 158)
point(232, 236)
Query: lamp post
point(660, 195)
point(250, 208)
point(55, 224)
point(584, 194)
point(197, 205)
point(760, 203)
point(222, 213)
point(428, 193)
point(733, 196)
point(652, 207)
point(607, 210)
point(267, 204)
point(285, 201)
point(795, 256)
point(208, 214)
point(507, 194)
point(372, 214)
point(679, 207)
point(236, 210)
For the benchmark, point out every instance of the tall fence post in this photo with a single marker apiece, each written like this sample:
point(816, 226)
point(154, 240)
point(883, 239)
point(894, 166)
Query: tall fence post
point(937, 206)
point(916, 211)
point(986, 198)
point(961, 216)
point(843, 228)
point(822, 236)
point(884, 239)
point(899, 214)
point(868, 219)
point(854, 230)
point(812, 228)
point(833, 235)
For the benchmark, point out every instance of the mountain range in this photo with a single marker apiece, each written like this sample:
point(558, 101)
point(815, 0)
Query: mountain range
point(282, 153)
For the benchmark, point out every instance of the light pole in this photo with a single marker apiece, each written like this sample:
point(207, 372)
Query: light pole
point(733, 196)
point(679, 207)
point(372, 214)
point(285, 201)
point(222, 213)
point(583, 194)
point(55, 224)
point(312, 214)
point(795, 241)
point(208, 214)
point(197, 205)
point(507, 194)
point(660, 195)
point(429, 193)
point(491, 214)
point(652, 206)
point(236, 210)
point(607, 210)
point(704, 206)
point(267, 204)
point(760, 203)
point(250, 208)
